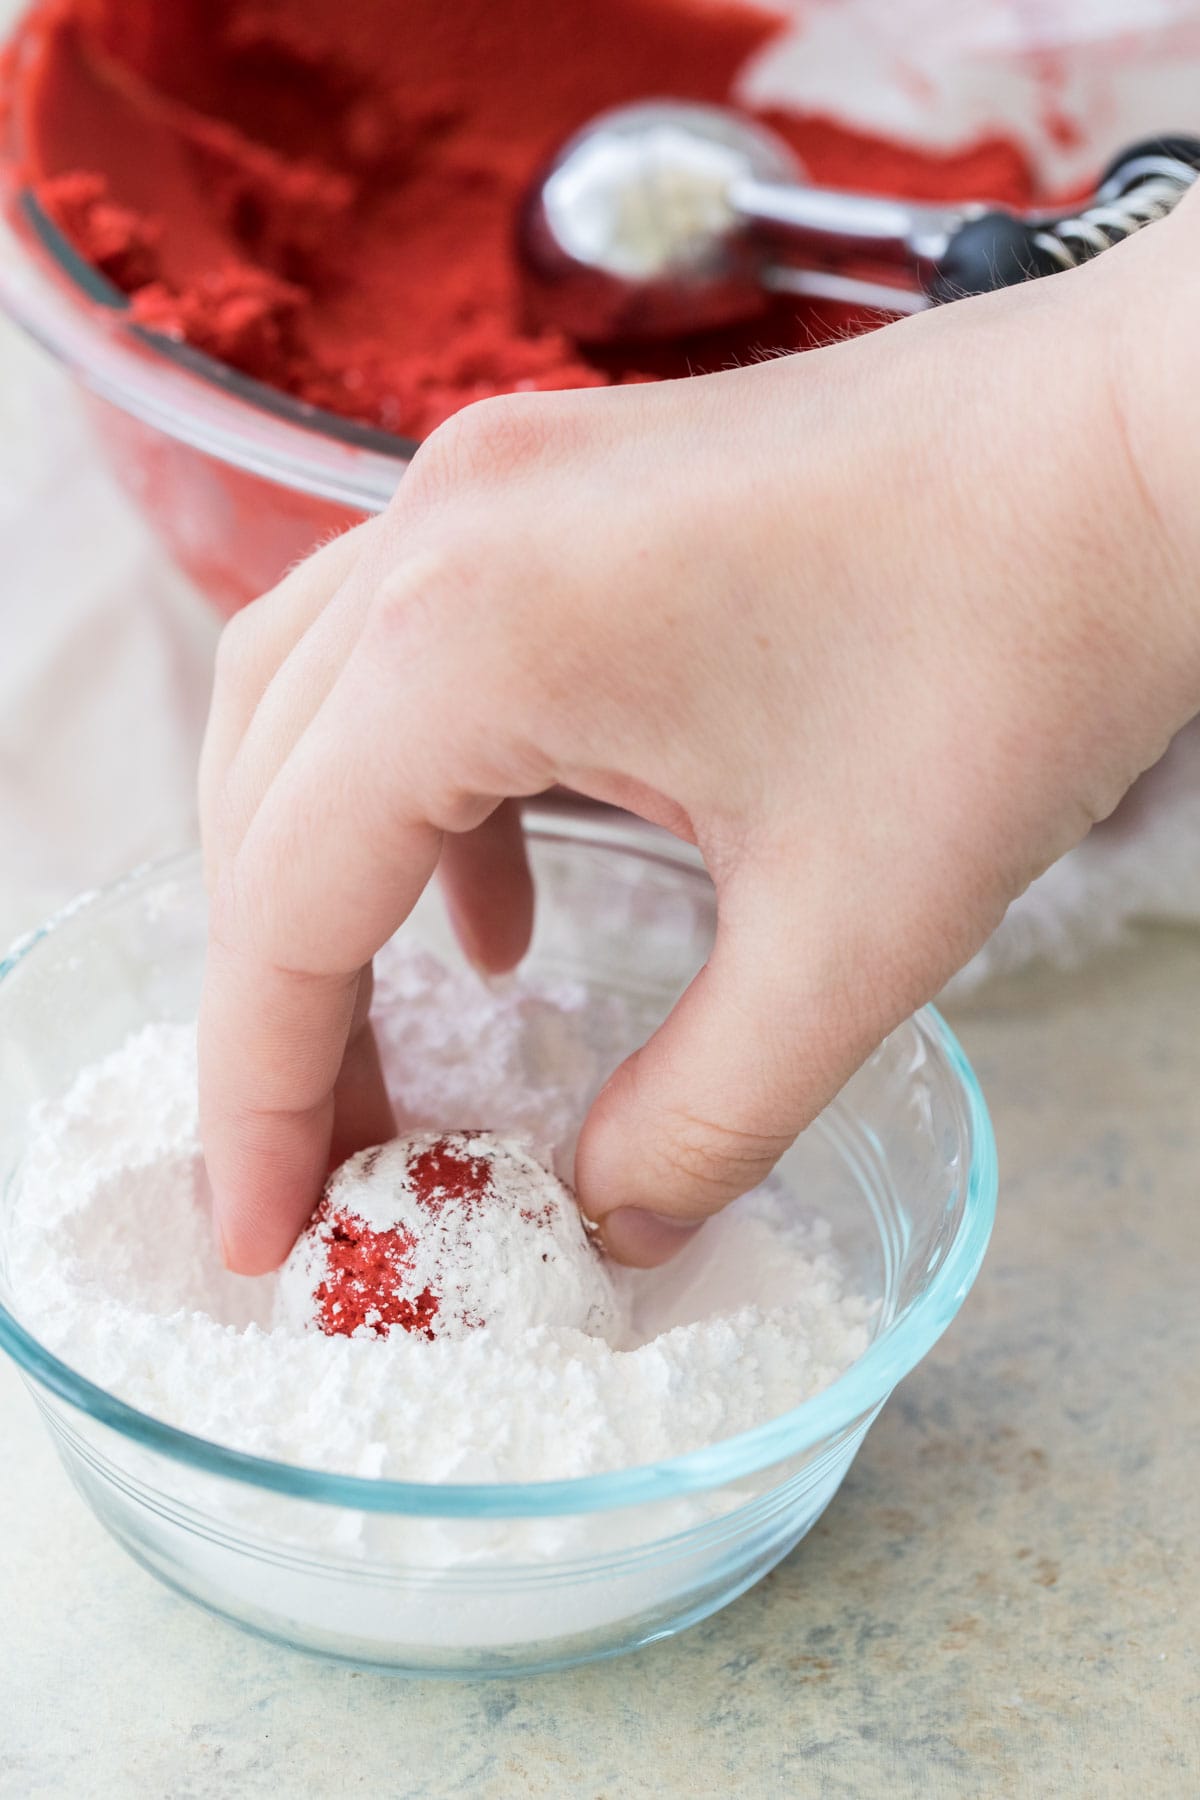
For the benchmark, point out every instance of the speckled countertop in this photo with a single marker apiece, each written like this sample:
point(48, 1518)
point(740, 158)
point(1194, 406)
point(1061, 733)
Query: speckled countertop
point(1003, 1600)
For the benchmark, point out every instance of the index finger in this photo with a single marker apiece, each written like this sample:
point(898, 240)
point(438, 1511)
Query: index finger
point(339, 849)
point(277, 1016)
point(272, 1042)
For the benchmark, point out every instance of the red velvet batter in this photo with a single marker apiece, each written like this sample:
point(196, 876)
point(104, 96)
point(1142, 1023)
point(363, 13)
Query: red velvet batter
point(321, 192)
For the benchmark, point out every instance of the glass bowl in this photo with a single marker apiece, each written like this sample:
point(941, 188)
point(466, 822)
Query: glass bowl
point(492, 1579)
point(241, 480)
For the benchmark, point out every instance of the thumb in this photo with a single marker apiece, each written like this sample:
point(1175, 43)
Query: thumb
point(763, 1038)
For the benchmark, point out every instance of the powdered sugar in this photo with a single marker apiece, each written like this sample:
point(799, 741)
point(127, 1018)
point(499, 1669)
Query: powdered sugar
point(113, 1266)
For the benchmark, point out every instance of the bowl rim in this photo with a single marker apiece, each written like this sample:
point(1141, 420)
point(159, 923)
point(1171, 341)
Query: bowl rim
point(178, 392)
point(855, 1395)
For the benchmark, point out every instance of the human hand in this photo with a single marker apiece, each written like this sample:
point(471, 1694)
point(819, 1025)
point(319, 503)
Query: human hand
point(882, 629)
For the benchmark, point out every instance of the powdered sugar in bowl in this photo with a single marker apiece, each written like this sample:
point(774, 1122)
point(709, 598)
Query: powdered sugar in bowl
point(380, 1518)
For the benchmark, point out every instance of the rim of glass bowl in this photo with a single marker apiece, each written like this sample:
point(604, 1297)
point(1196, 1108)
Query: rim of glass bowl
point(864, 1385)
point(83, 321)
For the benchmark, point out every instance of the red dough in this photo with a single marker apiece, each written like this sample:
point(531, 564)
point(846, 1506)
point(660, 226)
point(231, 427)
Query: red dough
point(446, 1171)
point(364, 1285)
point(323, 195)
point(369, 1270)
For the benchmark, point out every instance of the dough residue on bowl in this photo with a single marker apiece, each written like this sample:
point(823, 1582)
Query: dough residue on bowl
point(113, 1266)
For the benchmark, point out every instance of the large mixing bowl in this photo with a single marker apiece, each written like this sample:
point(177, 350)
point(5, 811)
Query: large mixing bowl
point(240, 480)
point(492, 1579)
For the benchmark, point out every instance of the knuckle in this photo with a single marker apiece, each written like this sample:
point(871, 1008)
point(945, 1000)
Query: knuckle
point(489, 440)
point(457, 611)
point(716, 1161)
point(238, 657)
point(424, 601)
point(451, 629)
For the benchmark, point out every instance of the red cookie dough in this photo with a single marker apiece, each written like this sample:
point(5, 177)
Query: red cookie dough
point(322, 194)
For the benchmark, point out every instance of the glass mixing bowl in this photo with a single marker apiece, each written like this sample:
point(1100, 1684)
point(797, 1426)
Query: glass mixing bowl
point(494, 1579)
point(241, 480)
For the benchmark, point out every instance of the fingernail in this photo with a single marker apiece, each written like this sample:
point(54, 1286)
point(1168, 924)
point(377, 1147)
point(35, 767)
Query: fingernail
point(500, 984)
point(644, 1239)
point(490, 977)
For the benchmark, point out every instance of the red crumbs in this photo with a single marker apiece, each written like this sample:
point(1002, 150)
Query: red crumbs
point(441, 1173)
point(369, 1273)
point(366, 1280)
point(121, 243)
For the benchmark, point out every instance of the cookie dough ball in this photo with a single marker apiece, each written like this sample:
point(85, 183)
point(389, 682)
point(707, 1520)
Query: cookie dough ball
point(442, 1233)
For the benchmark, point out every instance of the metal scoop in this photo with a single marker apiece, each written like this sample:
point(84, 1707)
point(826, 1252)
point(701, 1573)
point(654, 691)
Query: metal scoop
point(666, 218)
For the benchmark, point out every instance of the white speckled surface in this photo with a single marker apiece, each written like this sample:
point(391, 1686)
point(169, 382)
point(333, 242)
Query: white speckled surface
point(1003, 1600)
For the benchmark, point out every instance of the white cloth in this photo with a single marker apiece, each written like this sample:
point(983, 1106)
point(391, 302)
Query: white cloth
point(104, 679)
point(1072, 80)
point(1142, 864)
point(105, 665)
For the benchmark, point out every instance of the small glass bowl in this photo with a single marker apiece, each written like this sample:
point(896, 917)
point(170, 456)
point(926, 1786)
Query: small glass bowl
point(500, 1579)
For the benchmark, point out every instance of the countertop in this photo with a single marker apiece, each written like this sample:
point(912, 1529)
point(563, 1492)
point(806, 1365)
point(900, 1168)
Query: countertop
point(1004, 1599)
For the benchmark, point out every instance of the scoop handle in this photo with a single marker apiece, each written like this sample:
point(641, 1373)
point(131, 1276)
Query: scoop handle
point(998, 249)
point(835, 225)
point(1170, 156)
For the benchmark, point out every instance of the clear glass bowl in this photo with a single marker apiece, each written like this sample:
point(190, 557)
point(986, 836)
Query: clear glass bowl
point(504, 1578)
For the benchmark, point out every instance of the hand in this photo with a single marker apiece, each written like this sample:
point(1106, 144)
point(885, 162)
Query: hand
point(882, 628)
